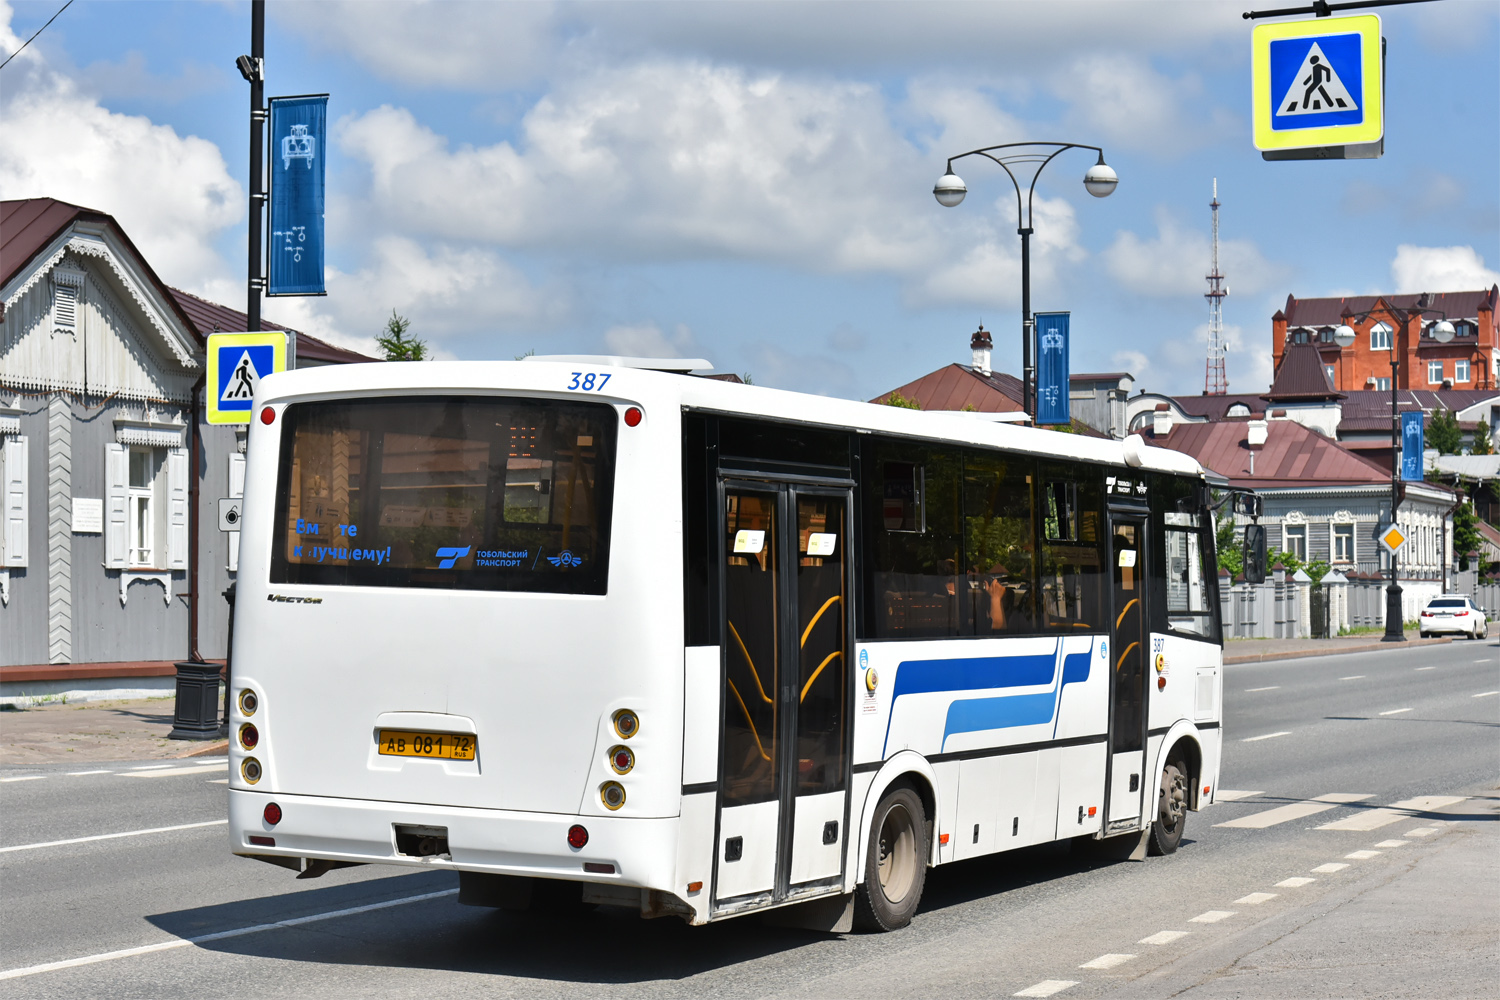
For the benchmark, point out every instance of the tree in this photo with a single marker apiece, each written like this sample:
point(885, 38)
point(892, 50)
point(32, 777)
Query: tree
point(1443, 433)
point(896, 399)
point(396, 345)
point(1231, 555)
point(1465, 534)
point(1482, 443)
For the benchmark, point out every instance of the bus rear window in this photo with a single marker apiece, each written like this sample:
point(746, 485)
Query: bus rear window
point(465, 493)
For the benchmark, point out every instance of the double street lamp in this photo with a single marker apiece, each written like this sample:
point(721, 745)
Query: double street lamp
point(1099, 181)
point(1442, 332)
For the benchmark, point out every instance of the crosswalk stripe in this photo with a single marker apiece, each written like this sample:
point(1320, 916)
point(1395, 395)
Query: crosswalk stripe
point(1232, 794)
point(168, 773)
point(1047, 987)
point(1295, 810)
point(1374, 819)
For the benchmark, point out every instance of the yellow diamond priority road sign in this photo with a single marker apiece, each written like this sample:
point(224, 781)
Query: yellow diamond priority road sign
point(1393, 538)
point(1317, 83)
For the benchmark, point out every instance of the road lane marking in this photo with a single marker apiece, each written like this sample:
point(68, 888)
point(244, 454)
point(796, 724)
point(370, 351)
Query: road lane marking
point(109, 956)
point(1295, 810)
point(1255, 899)
point(24, 777)
point(1422, 831)
point(1427, 668)
point(150, 767)
point(1212, 916)
point(1362, 855)
point(1273, 687)
point(1163, 937)
point(1484, 694)
point(74, 774)
point(1232, 795)
point(1268, 736)
point(1374, 819)
point(112, 836)
point(1330, 868)
point(1393, 843)
point(1045, 988)
point(1353, 677)
point(1107, 962)
point(1294, 883)
point(217, 781)
point(168, 773)
point(1396, 711)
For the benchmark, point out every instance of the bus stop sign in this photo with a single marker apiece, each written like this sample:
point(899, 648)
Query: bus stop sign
point(1317, 83)
point(236, 364)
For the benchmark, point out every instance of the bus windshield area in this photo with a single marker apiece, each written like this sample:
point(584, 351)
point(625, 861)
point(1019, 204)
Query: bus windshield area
point(458, 492)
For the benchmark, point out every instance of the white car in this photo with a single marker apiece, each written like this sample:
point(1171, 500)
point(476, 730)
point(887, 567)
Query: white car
point(1453, 613)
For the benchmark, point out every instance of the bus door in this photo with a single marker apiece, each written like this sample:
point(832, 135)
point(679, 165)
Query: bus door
point(783, 798)
point(1127, 657)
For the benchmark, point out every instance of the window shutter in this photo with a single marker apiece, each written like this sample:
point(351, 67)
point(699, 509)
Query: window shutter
point(236, 489)
point(65, 308)
point(116, 496)
point(177, 508)
point(16, 521)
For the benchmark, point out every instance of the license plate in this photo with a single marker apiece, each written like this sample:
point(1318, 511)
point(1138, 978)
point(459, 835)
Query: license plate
point(452, 746)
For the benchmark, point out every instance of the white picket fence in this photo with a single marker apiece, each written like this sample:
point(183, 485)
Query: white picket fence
point(1286, 606)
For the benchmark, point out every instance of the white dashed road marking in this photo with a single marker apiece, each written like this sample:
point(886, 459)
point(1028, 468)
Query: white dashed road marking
point(1107, 962)
point(1255, 899)
point(1396, 711)
point(1393, 843)
point(1233, 795)
point(1361, 855)
point(168, 773)
point(1163, 937)
point(1268, 736)
point(1484, 694)
point(1330, 868)
point(1211, 916)
point(1045, 988)
point(1294, 883)
point(1353, 677)
point(112, 836)
point(1421, 831)
point(312, 918)
point(1273, 687)
point(1295, 810)
point(25, 777)
point(150, 767)
point(74, 774)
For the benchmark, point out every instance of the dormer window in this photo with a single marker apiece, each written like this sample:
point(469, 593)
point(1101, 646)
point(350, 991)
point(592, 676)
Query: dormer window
point(1380, 337)
point(1239, 410)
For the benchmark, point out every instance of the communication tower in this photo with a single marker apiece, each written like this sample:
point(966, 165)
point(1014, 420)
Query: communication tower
point(1215, 380)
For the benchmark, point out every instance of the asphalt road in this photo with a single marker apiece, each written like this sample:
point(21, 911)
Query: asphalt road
point(1418, 917)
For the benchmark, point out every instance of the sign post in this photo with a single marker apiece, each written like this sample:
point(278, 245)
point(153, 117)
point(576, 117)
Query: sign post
point(236, 364)
point(1318, 88)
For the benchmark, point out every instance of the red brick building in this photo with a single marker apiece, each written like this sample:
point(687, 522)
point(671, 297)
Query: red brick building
point(1468, 361)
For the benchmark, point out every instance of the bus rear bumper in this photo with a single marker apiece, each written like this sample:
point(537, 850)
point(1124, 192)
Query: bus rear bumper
point(639, 852)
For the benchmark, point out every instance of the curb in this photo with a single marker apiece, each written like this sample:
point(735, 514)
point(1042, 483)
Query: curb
point(1298, 654)
point(221, 747)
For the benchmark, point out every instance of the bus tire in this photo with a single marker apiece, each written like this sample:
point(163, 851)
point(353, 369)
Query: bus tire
point(1171, 810)
point(895, 863)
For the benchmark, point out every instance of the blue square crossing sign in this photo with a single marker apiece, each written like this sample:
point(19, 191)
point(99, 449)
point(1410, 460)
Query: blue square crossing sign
point(236, 364)
point(1317, 83)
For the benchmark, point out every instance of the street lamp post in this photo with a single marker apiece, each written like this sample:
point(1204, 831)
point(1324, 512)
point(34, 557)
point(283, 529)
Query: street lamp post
point(1100, 181)
point(1442, 332)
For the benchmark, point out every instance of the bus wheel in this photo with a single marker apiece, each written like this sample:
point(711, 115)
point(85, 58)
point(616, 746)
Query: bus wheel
point(895, 865)
point(1171, 810)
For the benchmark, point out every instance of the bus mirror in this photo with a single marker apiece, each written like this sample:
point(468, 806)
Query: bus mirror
point(1247, 504)
point(1254, 562)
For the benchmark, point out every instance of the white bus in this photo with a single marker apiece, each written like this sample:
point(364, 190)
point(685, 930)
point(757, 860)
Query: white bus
point(582, 630)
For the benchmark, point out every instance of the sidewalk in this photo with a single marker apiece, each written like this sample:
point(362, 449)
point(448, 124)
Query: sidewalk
point(95, 731)
point(1257, 650)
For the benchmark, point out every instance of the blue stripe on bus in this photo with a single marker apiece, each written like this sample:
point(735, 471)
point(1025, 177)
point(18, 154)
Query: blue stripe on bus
point(976, 673)
point(978, 714)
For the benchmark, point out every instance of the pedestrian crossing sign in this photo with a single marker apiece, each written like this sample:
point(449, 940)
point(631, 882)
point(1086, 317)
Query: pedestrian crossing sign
point(236, 364)
point(1317, 83)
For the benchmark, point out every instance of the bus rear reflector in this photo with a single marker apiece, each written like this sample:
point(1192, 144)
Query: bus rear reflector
point(695, 887)
point(268, 416)
point(263, 841)
point(272, 815)
point(942, 838)
point(577, 836)
point(598, 868)
point(632, 417)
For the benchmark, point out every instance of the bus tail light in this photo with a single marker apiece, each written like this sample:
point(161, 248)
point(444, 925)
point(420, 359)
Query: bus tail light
point(268, 416)
point(1161, 683)
point(627, 723)
point(612, 794)
point(248, 702)
point(621, 759)
point(263, 841)
point(250, 769)
point(633, 416)
point(272, 814)
point(578, 837)
point(598, 868)
point(249, 736)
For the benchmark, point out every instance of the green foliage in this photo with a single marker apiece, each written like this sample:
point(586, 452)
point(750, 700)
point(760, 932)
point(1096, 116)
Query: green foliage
point(1315, 568)
point(1482, 443)
point(1231, 553)
point(396, 345)
point(1443, 433)
point(1466, 536)
point(531, 352)
point(896, 399)
point(745, 378)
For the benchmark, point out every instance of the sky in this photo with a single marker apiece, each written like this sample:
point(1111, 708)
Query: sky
point(751, 182)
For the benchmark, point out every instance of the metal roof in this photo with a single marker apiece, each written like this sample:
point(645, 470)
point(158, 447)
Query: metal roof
point(210, 317)
point(1301, 376)
point(1293, 455)
point(1330, 312)
point(953, 387)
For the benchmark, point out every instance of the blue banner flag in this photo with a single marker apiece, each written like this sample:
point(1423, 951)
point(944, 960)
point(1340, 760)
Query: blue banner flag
point(1411, 445)
point(299, 155)
point(1052, 368)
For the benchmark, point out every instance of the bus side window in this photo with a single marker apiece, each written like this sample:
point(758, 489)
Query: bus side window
point(913, 548)
point(1073, 580)
point(999, 544)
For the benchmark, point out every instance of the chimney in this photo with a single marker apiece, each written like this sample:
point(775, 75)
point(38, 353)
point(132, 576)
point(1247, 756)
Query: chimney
point(1256, 432)
point(980, 344)
point(1161, 420)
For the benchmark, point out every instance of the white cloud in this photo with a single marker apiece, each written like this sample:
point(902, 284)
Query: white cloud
point(646, 340)
point(172, 194)
point(1174, 262)
point(1440, 269)
point(1125, 102)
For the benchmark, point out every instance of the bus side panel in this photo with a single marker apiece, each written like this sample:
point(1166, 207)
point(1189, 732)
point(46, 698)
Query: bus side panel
point(1212, 741)
point(700, 716)
point(946, 773)
point(695, 853)
point(979, 796)
point(1041, 815)
point(1080, 801)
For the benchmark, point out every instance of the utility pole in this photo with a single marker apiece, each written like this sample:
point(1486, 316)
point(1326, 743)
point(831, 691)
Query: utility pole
point(1215, 380)
point(253, 69)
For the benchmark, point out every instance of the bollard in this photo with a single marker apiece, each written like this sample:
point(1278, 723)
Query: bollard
point(196, 716)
